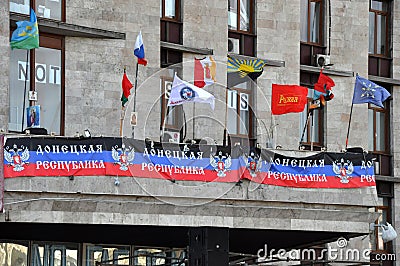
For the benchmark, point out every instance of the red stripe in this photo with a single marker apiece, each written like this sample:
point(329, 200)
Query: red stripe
point(111, 169)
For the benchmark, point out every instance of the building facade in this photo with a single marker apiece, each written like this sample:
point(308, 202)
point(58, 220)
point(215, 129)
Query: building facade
point(108, 218)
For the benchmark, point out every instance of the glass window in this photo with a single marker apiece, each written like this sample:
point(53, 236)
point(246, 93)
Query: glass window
point(49, 9)
point(378, 27)
point(239, 10)
point(43, 8)
point(169, 9)
point(172, 116)
point(312, 119)
point(20, 6)
point(238, 113)
point(48, 86)
point(311, 21)
point(14, 254)
point(241, 16)
point(378, 128)
point(116, 255)
point(54, 254)
point(148, 256)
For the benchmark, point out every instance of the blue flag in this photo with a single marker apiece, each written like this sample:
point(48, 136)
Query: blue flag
point(365, 91)
point(26, 36)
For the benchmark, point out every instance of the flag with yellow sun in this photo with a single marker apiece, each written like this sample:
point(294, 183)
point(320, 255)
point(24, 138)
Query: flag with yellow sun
point(241, 70)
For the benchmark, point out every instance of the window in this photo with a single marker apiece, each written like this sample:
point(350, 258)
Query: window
point(54, 254)
point(241, 27)
point(311, 21)
point(52, 9)
point(171, 116)
point(385, 193)
point(44, 65)
point(311, 30)
point(378, 128)
point(14, 253)
point(170, 31)
point(239, 113)
point(116, 255)
point(380, 62)
point(379, 136)
point(378, 27)
point(312, 122)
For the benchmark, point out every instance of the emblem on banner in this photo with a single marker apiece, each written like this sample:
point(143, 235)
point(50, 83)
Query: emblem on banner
point(221, 163)
point(123, 156)
point(17, 157)
point(343, 170)
point(187, 93)
point(253, 163)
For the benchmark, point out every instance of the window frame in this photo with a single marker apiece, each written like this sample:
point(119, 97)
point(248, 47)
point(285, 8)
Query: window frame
point(321, 23)
point(32, 3)
point(178, 110)
point(177, 11)
point(247, 38)
point(386, 111)
point(238, 137)
point(308, 80)
point(387, 14)
point(56, 42)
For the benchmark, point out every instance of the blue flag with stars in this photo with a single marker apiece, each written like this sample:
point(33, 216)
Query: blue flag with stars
point(365, 91)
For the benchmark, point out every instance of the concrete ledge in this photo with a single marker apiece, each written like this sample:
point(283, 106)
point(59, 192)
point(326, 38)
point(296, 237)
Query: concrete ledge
point(66, 29)
point(269, 62)
point(388, 81)
point(334, 72)
point(186, 49)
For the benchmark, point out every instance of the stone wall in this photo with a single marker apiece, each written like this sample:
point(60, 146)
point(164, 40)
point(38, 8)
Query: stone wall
point(4, 63)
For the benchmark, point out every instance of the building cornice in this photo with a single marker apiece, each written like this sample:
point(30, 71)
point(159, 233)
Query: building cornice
point(334, 72)
point(186, 49)
point(66, 29)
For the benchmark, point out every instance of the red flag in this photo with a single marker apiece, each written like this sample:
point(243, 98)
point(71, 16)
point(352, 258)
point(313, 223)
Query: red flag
point(204, 71)
point(198, 74)
point(126, 89)
point(324, 83)
point(288, 99)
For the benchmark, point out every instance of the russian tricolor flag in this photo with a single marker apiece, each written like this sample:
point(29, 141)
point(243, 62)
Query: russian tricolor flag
point(139, 50)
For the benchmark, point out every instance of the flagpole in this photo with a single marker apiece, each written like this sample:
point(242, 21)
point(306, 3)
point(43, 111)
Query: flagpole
point(226, 119)
point(305, 126)
point(351, 113)
point(122, 115)
point(134, 97)
point(194, 110)
point(26, 78)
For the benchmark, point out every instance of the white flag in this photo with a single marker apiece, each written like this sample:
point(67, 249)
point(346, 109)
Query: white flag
point(184, 92)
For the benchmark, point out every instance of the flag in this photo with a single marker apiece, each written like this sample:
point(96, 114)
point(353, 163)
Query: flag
point(139, 50)
point(240, 69)
point(184, 92)
point(365, 91)
point(324, 83)
point(26, 36)
point(126, 89)
point(288, 99)
point(204, 71)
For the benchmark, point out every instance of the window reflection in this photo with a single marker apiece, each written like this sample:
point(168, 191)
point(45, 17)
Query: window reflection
point(116, 255)
point(14, 254)
point(44, 254)
point(43, 8)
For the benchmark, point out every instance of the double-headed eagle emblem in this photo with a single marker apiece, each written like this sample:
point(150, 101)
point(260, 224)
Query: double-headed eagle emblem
point(253, 163)
point(343, 170)
point(221, 163)
point(17, 157)
point(123, 156)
